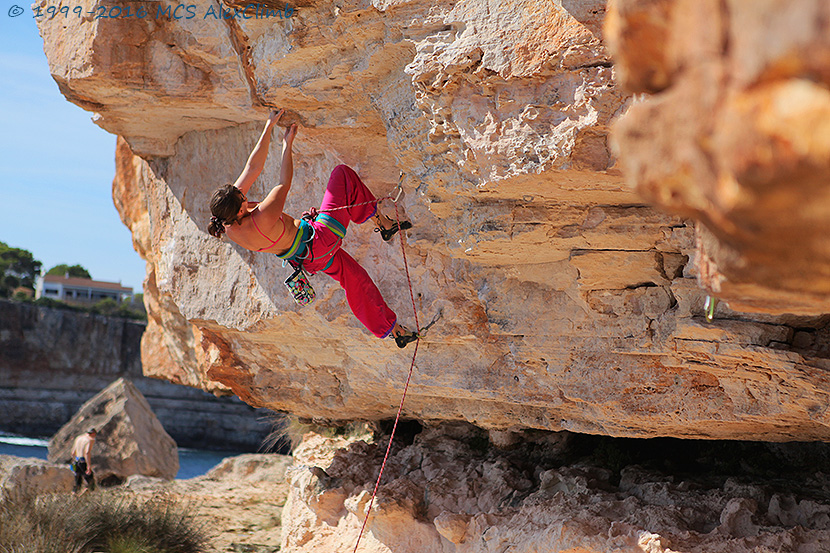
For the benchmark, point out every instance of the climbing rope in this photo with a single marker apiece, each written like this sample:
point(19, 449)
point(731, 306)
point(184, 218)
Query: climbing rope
point(408, 379)
point(312, 212)
point(375, 201)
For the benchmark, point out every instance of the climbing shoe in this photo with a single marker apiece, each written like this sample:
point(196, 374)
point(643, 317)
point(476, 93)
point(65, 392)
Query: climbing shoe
point(387, 234)
point(406, 337)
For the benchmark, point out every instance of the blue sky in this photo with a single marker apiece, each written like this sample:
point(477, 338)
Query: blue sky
point(56, 166)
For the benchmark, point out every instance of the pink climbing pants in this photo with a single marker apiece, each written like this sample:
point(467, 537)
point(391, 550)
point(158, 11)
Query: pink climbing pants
point(345, 189)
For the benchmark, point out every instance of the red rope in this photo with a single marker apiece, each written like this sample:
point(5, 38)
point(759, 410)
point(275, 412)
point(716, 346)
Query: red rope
point(375, 201)
point(408, 278)
point(406, 387)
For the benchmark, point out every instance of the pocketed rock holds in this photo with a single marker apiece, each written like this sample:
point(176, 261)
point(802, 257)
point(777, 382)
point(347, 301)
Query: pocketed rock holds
point(449, 492)
point(130, 440)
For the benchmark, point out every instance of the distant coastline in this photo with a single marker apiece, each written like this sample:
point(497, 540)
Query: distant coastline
point(53, 360)
point(192, 462)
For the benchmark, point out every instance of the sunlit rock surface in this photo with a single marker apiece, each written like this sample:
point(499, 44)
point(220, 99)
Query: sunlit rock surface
point(26, 474)
point(734, 131)
point(561, 300)
point(448, 490)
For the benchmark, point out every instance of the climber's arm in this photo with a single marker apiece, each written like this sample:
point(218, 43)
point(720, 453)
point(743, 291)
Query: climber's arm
point(287, 164)
point(256, 161)
point(273, 204)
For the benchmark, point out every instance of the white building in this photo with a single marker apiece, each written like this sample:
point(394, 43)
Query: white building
point(80, 290)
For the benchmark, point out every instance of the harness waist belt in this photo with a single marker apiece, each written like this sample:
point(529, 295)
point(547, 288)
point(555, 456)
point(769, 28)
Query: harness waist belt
point(332, 224)
point(298, 246)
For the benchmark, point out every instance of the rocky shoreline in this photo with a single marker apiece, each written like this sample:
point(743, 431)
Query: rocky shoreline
point(239, 502)
point(449, 489)
point(53, 360)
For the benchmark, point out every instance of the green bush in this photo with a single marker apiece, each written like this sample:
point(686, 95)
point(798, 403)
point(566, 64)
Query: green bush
point(21, 295)
point(107, 307)
point(97, 523)
point(17, 268)
point(76, 271)
point(56, 304)
point(112, 308)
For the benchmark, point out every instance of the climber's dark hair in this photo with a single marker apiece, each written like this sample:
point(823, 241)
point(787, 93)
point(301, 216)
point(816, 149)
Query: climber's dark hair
point(224, 206)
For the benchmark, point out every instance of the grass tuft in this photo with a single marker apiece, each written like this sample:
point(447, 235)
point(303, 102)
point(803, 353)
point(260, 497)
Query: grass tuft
point(288, 432)
point(96, 523)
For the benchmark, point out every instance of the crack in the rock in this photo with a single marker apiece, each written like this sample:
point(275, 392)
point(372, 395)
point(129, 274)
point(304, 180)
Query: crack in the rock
point(243, 51)
point(576, 252)
point(603, 63)
point(642, 285)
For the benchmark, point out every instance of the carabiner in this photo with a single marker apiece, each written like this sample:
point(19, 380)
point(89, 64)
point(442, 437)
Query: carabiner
point(398, 197)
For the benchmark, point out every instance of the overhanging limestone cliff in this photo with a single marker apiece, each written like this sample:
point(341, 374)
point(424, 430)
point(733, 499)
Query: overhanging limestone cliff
point(566, 302)
point(734, 131)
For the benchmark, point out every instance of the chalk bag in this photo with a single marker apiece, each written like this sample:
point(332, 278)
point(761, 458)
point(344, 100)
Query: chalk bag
point(300, 287)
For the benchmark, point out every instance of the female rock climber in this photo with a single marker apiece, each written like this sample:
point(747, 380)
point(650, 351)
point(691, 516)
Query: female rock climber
point(314, 242)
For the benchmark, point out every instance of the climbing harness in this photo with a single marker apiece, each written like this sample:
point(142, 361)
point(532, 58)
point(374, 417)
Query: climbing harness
point(298, 284)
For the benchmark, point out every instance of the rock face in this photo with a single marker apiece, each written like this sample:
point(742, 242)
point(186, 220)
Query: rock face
point(130, 438)
point(448, 492)
point(734, 131)
point(560, 299)
point(34, 475)
point(53, 360)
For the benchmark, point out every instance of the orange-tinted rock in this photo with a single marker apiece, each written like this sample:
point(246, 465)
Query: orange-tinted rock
point(738, 138)
point(560, 300)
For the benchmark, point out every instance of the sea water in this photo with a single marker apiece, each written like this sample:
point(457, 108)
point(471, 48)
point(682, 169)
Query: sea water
point(192, 462)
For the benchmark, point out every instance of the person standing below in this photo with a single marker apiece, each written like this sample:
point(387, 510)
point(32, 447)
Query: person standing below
point(82, 460)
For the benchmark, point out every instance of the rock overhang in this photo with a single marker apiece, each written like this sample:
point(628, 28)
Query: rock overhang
point(565, 301)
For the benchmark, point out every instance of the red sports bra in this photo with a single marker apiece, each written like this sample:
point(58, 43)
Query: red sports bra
point(266, 237)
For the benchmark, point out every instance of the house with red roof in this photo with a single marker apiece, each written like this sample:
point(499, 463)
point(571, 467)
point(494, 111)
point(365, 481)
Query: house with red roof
point(80, 290)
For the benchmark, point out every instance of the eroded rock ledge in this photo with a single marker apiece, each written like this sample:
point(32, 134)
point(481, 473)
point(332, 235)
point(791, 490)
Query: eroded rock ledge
point(565, 301)
point(449, 490)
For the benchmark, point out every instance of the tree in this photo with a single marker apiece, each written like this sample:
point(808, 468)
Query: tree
point(74, 271)
point(106, 306)
point(18, 267)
